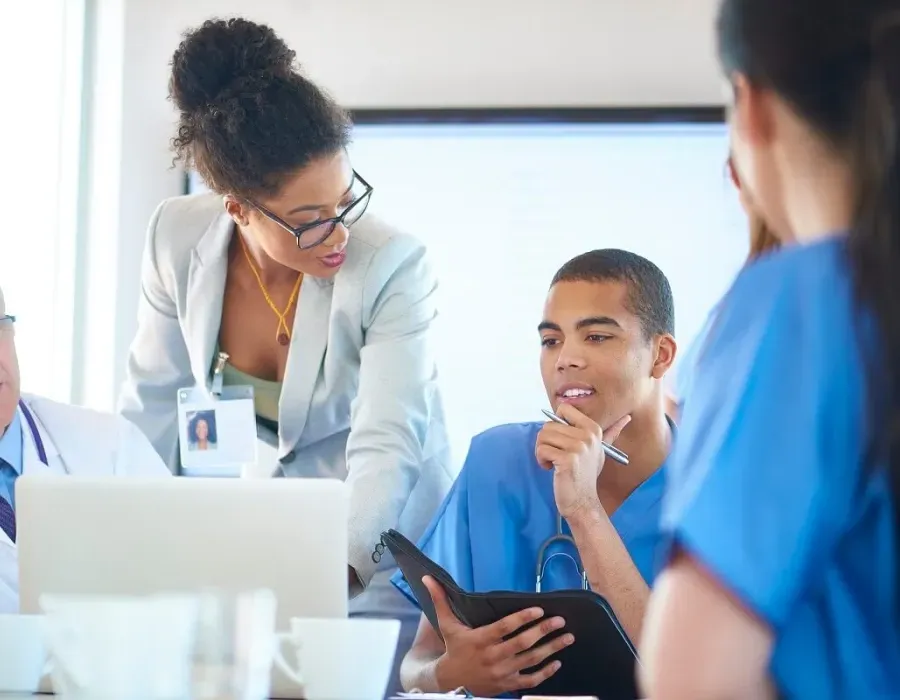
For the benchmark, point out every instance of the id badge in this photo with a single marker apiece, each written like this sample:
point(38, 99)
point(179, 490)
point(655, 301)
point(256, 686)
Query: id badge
point(217, 430)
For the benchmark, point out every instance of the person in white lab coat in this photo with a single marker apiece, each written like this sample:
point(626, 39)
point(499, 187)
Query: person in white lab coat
point(323, 309)
point(39, 435)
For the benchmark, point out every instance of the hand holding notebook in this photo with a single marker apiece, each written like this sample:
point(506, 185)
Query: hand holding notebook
point(494, 659)
point(600, 661)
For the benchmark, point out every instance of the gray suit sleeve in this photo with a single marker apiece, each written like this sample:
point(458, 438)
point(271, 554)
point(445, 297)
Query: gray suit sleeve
point(391, 414)
point(158, 360)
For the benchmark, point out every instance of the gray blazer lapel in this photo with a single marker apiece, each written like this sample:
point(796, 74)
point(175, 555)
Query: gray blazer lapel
point(304, 364)
point(205, 292)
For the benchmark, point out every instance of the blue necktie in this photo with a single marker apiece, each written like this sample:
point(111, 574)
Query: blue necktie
point(7, 519)
point(7, 514)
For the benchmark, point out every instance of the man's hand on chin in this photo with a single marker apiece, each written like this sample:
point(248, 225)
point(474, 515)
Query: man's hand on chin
point(575, 453)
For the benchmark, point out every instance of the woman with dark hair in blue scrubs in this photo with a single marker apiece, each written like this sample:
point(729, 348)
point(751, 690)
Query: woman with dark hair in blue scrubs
point(782, 575)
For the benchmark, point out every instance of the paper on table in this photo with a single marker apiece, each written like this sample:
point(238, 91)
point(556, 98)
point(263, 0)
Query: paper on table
point(433, 696)
point(459, 696)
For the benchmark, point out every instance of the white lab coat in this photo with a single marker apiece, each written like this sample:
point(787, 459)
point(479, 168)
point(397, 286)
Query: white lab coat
point(77, 442)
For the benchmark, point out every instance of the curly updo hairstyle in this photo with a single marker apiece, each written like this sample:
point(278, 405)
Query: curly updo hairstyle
point(248, 117)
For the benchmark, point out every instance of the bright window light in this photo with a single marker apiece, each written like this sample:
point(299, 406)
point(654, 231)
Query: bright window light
point(41, 124)
point(501, 208)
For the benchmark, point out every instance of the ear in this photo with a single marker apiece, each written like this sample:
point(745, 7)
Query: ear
point(732, 173)
point(237, 210)
point(666, 348)
point(753, 113)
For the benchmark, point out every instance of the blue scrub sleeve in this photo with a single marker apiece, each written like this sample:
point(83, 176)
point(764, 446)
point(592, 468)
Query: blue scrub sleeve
point(447, 541)
point(762, 471)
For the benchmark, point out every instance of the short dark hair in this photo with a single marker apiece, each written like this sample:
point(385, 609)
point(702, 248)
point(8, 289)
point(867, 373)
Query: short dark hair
point(649, 293)
point(248, 117)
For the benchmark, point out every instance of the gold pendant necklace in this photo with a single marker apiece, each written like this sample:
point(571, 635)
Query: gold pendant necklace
point(283, 335)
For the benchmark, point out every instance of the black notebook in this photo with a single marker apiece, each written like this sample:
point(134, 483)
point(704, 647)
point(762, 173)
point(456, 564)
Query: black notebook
point(602, 661)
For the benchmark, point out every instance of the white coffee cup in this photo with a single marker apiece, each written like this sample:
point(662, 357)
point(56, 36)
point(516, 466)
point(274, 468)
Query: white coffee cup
point(334, 659)
point(23, 656)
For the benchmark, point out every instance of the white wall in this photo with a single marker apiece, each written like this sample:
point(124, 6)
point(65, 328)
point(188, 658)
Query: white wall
point(387, 53)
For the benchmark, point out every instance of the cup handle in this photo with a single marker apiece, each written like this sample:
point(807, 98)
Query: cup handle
point(281, 662)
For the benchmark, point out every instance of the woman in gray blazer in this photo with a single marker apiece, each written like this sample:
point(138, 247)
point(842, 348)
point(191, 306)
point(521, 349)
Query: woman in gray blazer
point(325, 311)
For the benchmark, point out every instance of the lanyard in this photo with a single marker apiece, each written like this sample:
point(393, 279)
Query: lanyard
point(35, 433)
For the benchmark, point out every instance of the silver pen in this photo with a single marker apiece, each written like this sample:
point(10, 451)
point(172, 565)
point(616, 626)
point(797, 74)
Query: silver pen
point(612, 452)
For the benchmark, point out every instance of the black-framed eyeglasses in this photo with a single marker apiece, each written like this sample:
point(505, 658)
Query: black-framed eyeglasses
point(316, 233)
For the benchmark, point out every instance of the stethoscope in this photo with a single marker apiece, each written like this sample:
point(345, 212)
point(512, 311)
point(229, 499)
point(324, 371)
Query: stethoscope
point(543, 559)
point(35, 433)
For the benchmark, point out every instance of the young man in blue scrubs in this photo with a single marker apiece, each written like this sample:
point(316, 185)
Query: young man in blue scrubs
point(607, 342)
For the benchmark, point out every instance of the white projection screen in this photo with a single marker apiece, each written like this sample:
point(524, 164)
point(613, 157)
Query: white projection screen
point(502, 206)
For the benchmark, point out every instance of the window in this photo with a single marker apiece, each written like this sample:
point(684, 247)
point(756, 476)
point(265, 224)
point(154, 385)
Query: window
point(501, 208)
point(42, 137)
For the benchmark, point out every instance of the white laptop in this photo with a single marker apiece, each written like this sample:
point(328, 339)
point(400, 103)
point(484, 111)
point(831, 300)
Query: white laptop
point(137, 536)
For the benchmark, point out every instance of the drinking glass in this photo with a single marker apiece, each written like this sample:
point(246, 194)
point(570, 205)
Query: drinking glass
point(235, 645)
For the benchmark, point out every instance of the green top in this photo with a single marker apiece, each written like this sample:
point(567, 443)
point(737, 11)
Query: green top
point(265, 393)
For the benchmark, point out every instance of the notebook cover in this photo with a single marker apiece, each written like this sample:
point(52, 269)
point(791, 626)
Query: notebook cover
point(601, 662)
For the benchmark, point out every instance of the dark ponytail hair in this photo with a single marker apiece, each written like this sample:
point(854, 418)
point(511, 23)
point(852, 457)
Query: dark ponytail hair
point(874, 245)
point(837, 63)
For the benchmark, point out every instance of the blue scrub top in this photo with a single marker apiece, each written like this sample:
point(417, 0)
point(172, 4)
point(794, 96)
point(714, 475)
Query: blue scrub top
point(768, 485)
point(501, 510)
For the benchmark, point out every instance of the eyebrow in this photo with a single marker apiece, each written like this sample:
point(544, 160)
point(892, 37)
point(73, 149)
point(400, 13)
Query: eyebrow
point(317, 207)
point(582, 323)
